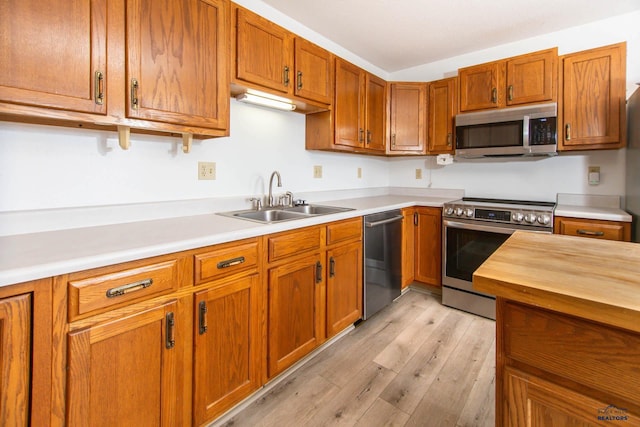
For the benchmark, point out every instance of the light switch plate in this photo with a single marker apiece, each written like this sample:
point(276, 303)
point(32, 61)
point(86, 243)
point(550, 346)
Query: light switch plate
point(317, 171)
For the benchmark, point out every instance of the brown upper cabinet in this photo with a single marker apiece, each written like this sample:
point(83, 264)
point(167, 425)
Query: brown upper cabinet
point(274, 60)
point(357, 121)
point(523, 79)
point(407, 118)
point(593, 99)
point(442, 110)
point(117, 64)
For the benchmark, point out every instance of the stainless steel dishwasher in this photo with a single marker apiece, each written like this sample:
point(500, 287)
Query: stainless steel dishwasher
point(382, 260)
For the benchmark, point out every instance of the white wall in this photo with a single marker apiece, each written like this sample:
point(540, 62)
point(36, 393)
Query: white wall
point(44, 167)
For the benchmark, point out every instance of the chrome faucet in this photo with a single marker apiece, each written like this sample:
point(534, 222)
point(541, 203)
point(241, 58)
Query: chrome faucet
point(270, 198)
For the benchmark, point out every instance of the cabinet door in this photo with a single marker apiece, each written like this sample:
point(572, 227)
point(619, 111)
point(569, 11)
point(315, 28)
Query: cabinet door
point(531, 401)
point(314, 72)
point(344, 287)
point(532, 77)
point(125, 371)
point(408, 109)
point(442, 110)
point(408, 246)
point(264, 52)
point(349, 126)
point(429, 246)
point(592, 228)
point(177, 62)
point(295, 312)
point(54, 54)
point(594, 98)
point(227, 346)
point(15, 359)
point(376, 89)
point(480, 86)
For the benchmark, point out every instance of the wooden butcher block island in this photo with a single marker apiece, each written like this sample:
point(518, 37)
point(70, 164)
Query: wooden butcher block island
point(567, 330)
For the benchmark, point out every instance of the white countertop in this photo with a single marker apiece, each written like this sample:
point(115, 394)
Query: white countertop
point(33, 256)
point(587, 206)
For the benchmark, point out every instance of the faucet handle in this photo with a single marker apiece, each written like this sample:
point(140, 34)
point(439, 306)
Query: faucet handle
point(257, 203)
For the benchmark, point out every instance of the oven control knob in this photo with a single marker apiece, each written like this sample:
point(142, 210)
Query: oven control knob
point(459, 211)
point(530, 218)
point(544, 219)
point(518, 217)
point(468, 212)
point(449, 211)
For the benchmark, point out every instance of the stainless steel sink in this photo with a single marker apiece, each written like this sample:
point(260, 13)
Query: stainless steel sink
point(317, 209)
point(278, 214)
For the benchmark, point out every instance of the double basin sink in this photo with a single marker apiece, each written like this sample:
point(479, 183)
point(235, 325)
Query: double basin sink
point(284, 213)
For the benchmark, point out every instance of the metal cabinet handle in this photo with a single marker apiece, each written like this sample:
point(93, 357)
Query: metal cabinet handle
point(99, 87)
point(368, 136)
point(299, 80)
point(202, 317)
point(494, 95)
point(449, 139)
point(415, 218)
point(567, 132)
point(510, 93)
point(590, 233)
point(332, 267)
point(318, 272)
point(286, 76)
point(231, 262)
point(128, 288)
point(171, 330)
point(393, 139)
point(134, 94)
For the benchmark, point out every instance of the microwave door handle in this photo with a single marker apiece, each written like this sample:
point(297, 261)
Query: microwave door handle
point(525, 132)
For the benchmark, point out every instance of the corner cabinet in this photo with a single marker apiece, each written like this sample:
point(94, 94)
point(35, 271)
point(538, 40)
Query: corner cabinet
point(407, 118)
point(523, 79)
point(593, 99)
point(442, 110)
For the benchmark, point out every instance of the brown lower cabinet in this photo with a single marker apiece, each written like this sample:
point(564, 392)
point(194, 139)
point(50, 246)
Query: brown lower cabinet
point(428, 245)
point(592, 228)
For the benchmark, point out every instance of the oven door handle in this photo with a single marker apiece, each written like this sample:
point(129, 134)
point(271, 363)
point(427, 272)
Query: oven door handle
point(489, 228)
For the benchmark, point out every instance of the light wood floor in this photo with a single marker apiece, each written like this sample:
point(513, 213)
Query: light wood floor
point(416, 363)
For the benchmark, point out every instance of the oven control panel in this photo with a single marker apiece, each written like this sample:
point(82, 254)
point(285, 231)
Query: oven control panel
point(522, 216)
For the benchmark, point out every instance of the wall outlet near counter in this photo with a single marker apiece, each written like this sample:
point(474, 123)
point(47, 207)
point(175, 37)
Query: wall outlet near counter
point(359, 172)
point(207, 170)
point(317, 171)
point(594, 175)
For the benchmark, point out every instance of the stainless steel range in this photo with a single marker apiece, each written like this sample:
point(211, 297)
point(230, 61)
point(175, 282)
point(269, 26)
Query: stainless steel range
point(473, 228)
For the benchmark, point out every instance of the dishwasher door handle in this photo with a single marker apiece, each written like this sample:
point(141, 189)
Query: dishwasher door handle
point(384, 221)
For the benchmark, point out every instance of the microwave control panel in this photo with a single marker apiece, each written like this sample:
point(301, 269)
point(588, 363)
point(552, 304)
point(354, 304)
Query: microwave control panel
point(542, 131)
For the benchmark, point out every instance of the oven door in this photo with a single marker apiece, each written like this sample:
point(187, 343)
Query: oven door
point(466, 246)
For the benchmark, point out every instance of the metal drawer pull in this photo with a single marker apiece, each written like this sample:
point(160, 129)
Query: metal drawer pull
point(231, 262)
point(171, 330)
point(131, 287)
point(590, 233)
point(494, 95)
point(202, 311)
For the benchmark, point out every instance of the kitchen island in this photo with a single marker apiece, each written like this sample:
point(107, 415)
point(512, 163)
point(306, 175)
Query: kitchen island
point(567, 330)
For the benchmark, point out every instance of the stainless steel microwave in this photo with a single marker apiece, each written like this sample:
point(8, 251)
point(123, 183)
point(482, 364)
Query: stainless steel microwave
point(517, 131)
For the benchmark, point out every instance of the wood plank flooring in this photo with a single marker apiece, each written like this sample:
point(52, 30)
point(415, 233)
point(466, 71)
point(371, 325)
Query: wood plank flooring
point(416, 363)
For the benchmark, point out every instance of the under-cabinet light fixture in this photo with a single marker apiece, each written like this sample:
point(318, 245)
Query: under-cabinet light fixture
point(265, 101)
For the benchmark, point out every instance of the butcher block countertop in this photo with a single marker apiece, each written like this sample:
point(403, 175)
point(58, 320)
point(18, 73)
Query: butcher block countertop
point(593, 279)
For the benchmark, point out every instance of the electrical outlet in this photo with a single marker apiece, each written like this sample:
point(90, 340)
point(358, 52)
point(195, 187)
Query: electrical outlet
point(207, 170)
point(317, 171)
point(359, 172)
point(594, 175)
point(418, 173)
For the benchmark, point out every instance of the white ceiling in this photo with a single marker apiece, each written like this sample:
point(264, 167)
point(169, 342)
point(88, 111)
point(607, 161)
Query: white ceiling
point(398, 34)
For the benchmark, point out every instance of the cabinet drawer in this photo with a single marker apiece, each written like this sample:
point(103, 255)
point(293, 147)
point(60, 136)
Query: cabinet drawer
point(596, 229)
point(592, 354)
point(117, 287)
point(225, 260)
point(344, 230)
point(286, 244)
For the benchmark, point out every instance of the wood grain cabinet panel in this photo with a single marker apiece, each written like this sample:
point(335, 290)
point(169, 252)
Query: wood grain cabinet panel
point(225, 260)
point(407, 117)
point(54, 54)
point(313, 72)
point(344, 287)
point(288, 243)
point(348, 104)
point(176, 61)
point(479, 86)
point(408, 246)
point(296, 311)
point(341, 231)
point(592, 228)
point(227, 350)
point(127, 370)
point(442, 110)
point(375, 106)
point(594, 96)
point(15, 359)
point(428, 246)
